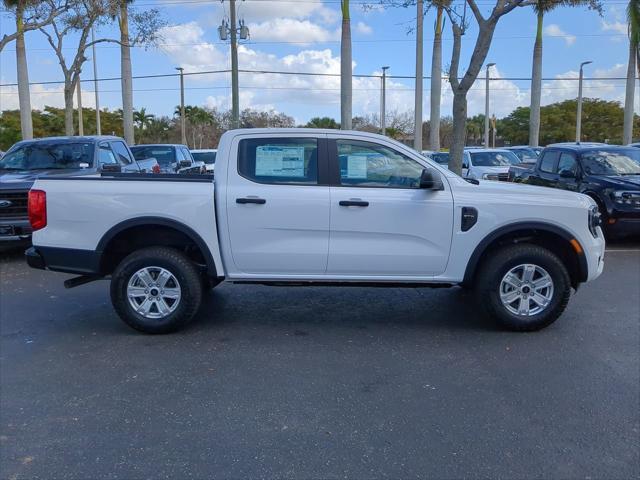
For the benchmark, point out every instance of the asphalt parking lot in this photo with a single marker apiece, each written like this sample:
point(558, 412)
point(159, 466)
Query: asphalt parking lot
point(318, 383)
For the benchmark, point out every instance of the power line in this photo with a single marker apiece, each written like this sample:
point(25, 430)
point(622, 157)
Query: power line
point(312, 74)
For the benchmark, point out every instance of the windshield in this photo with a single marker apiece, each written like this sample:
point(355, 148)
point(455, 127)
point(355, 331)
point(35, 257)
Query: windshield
point(612, 162)
point(48, 156)
point(206, 157)
point(441, 158)
point(164, 155)
point(494, 159)
point(525, 154)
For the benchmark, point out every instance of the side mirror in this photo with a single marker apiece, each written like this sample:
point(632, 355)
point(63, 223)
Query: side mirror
point(184, 163)
point(431, 180)
point(567, 174)
point(112, 168)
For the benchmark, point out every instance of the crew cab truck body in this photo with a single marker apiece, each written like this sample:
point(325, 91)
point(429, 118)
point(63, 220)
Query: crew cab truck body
point(316, 207)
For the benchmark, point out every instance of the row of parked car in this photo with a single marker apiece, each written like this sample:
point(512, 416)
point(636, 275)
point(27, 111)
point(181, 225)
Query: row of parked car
point(610, 174)
point(79, 156)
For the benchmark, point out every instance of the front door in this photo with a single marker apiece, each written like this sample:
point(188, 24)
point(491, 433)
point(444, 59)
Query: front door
point(277, 208)
point(382, 223)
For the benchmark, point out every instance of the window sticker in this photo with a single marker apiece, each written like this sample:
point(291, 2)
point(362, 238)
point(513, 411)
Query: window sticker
point(357, 166)
point(280, 161)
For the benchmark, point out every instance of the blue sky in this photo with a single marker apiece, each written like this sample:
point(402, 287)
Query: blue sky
point(303, 36)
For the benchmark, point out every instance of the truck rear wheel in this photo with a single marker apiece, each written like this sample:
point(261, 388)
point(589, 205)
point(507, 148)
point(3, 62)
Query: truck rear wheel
point(524, 287)
point(156, 290)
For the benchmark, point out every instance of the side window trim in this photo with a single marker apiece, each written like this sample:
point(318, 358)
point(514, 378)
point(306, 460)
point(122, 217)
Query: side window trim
point(322, 162)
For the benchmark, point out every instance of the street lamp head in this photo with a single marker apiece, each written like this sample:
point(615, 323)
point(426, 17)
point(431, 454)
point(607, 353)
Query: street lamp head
point(385, 68)
point(489, 65)
point(179, 69)
point(585, 63)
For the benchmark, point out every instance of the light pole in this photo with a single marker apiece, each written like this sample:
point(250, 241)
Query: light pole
point(80, 122)
point(383, 101)
point(230, 28)
point(486, 106)
point(95, 84)
point(182, 119)
point(579, 111)
point(417, 127)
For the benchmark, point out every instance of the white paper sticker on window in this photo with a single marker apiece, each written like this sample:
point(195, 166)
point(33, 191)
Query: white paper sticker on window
point(280, 161)
point(357, 166)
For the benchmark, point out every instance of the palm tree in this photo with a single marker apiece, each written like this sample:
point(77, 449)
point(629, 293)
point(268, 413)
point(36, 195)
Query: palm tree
point(143, 120)
point(436, 82)
point(125, 70)
point(24, 98)
point(540, 8)
point(345, 69)
point(633, 18)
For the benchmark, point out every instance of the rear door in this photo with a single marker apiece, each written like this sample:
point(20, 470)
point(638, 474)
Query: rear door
point(382, 223)
point(568, 171)
point(546, 173)
point(277, 202)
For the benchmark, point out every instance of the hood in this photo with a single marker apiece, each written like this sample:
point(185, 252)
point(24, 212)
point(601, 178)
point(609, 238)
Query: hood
point(631, 182)
point(23, 179)
point(519, 193)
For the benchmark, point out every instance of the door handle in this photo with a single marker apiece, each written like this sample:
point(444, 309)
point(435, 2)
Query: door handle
point(257, 201)
point(353, 203)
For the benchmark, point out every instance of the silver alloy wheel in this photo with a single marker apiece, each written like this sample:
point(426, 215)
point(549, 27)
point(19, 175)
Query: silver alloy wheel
point(526, 290)
point(154, 292)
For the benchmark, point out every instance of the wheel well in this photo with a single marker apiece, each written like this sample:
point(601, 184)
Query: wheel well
point(141, 236)
point(555, 242)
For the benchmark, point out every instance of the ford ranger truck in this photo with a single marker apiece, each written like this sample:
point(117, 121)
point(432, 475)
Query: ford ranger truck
point(315, 207)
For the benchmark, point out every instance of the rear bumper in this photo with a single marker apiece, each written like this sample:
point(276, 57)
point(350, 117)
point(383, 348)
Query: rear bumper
point(82, 262)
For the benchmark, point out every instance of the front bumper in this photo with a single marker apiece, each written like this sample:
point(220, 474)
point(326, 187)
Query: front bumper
point(12, 229)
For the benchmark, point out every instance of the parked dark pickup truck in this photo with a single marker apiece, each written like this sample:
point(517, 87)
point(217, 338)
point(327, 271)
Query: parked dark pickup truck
point(56, 156)
point(608, 174)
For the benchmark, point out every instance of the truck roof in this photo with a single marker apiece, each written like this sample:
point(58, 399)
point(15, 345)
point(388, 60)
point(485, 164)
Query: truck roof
point(68, 139)
point(578, 147)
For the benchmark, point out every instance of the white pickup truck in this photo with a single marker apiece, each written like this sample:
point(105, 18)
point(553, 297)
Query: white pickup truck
point(315, 207)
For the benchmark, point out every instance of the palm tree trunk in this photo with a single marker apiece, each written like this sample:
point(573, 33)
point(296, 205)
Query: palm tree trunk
point(627, 135)
point(345, 69)
point(127, 80)
point(459, 131)
point(24, 97)
point(436, 85)
point(536, 86)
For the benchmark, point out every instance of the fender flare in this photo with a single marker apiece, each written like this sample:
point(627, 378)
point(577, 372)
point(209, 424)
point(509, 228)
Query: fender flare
point(474, 260)
point(163, 222)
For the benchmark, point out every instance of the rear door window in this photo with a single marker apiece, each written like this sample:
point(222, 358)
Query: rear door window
point(567, 163)
point(549, 161)
point(106, 155)
point(279, 160)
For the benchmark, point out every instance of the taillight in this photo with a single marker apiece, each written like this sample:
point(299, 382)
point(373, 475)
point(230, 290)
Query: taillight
point(155, 168)
point(37, 209)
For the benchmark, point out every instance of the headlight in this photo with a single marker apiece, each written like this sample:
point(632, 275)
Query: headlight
point(595, 220)
point(631, 199)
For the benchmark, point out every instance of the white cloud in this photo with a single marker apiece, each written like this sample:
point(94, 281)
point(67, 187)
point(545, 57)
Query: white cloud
point(291, 30)
point(363, 28)
point(185, 42)
point(615, 27)
point(554, 30)
point(42, 96)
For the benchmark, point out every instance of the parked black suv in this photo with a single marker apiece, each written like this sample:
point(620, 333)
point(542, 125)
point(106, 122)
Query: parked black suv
point(608, 174)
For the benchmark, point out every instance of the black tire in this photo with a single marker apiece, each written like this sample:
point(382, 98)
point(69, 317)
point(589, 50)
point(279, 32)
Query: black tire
point(495, 268)
point(184, 272)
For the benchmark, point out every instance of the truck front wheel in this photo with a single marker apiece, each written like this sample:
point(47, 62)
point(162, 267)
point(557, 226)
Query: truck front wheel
point(156, 290)
point(524, 287)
